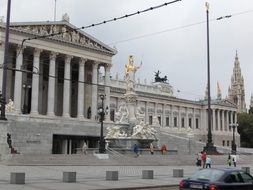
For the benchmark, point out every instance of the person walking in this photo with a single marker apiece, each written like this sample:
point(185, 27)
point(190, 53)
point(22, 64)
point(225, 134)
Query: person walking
point(233, 157)
point(84, 148)
point(229, 160)
point(198, 160)
point(208, 162)
point(136, 150)
point(203, 158)
point(151, 148)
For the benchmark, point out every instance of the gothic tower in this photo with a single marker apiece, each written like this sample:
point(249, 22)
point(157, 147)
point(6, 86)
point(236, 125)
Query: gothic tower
point(236, 92)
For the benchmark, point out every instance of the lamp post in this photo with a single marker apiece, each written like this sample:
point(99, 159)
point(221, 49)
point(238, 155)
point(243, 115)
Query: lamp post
point(209, 148)
point(25, 106)
point(101, 112)
point(6, 46)
point(233, 145)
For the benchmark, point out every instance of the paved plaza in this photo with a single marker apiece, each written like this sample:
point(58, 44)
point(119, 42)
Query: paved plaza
point(92, 177)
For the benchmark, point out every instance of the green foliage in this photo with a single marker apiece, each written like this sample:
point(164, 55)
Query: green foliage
point(245, 129)
point(251, 110)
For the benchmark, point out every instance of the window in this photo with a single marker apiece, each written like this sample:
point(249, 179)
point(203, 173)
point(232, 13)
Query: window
point(227, 143)
point(246, 177)
point(190, 122)
point(197, 123)
point(223, 143)
point(182, 122)
point(175, 121)
point(159, 119)
point(167, 121)
point(150, 119)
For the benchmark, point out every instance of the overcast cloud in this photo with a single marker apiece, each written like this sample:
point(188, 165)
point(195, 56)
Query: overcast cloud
point(179, 54)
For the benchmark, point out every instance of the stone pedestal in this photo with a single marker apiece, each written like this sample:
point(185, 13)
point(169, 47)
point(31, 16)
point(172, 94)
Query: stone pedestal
point(246, 169)
point(69, 177)
point(147, 174)
point(178, 173)
point(112, 175)
point(17, 178)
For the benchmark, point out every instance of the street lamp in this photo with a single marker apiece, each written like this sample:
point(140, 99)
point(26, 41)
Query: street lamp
point(209, 148)
point(6, 46)
point(233, 145)
point(102, 112)
point(25, 106)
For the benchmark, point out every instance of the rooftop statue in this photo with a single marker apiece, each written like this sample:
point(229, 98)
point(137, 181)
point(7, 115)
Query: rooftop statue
point(158, 78)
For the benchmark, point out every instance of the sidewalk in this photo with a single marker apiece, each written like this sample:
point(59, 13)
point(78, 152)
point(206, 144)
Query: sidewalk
point(91, 177)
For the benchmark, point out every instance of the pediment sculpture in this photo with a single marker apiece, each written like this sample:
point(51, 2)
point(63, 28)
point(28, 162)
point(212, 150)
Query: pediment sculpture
point(67, 34)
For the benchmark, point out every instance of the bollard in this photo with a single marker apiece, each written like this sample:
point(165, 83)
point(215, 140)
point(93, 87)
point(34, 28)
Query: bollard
point(112, 175)
point(147, 174)
point(17, 178)
point(246, 169)
point(178, 173)
point(69, 177)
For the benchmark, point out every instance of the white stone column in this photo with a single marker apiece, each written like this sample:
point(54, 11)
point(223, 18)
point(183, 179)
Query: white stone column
point(236, 129)
point(218, 118)
point(186, 118)
point(35, 82)
point(66, 87)
point(231, 120)
point(214, 120)
point(51, 85)
point(146, 112)
point(18, 81)
point(1, 63)
point(163, 116)
point(107, 90)
point(94, 90)
point(179, 118)
point(223, 120)
point(81, 77)
point(227, 119)
point(194, 119)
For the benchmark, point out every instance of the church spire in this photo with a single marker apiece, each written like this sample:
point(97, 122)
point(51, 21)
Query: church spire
point(236, 92)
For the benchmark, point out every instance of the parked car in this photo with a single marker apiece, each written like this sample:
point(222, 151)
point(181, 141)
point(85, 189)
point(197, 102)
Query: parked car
point(218, 179)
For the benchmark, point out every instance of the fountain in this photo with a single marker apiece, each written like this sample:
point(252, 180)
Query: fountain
point(129, 127)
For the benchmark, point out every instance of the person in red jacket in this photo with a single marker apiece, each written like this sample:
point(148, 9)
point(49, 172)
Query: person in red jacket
point(203, 158)
point(164, 149)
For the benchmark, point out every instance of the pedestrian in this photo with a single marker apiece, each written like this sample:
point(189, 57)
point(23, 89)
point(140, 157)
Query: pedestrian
point(234, 160)
point(203, 158)
point(136, 150)
point(229, 160)
point(163, 149)
point(208, 162)
point(198, 159)
point(151, 148)
point(84, 148)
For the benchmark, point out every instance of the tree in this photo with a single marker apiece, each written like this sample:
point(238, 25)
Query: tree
point(245, 129)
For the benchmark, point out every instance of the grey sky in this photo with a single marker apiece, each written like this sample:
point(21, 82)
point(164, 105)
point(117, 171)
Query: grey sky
point(179, 54)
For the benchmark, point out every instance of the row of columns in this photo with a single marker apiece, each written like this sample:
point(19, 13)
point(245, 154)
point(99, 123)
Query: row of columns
point(52, 82)
point(219, 123)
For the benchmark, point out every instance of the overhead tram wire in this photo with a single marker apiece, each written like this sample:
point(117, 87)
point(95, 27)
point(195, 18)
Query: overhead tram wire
point(179, 27)
point(103, 22)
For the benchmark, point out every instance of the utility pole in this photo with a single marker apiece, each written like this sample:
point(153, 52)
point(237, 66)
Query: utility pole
point(6, 51)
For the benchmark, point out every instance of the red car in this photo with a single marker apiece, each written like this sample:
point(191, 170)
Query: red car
point(218, 179)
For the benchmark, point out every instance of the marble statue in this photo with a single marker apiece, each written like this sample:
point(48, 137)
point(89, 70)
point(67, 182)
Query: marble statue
point(144, 131)
point(156, 121)
point(10, 106)
point(121, 116)
point(115, 132)
point(140, 115)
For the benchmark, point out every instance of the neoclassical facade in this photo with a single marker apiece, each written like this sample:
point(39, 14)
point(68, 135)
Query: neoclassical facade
point(55, 82)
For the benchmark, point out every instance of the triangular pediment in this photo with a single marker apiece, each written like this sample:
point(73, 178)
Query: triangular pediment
point(69, 34)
